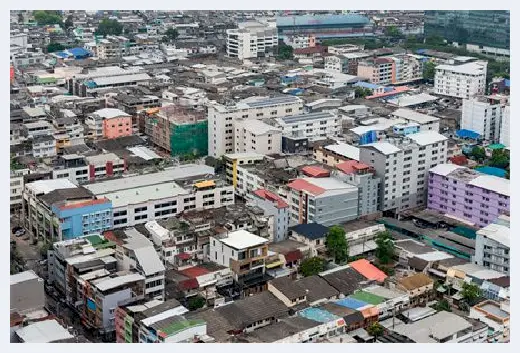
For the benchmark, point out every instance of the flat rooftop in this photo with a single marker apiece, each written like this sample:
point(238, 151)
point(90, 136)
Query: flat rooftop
point(242, 239)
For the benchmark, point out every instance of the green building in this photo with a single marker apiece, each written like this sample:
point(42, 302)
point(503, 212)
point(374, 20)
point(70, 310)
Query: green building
point(189, 138)
point(485, 28)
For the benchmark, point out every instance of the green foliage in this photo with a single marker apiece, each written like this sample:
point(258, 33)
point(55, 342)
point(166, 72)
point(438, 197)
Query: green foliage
point(479, 153)
point(312, 266)
point(14, 164)
point(375, 329)
point(337, 245)
point(385, 251)
point(470, 292)
point(47, 17)
point(435, 40)
point(109, 27)
point(499, 159)
point(389, 271)
point(171, 34)
point(393, 31)
point(54, 47)
point(285, 52)
point(429, 70)
point(362, 92)
point(442, 305)
point(195, 303)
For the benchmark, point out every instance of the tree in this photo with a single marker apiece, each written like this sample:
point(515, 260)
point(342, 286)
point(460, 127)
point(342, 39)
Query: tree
point(47, 17)
point(54, 47)
point(337, 244)
point(362, 92)
point(393, 31)
point(109, 27)
point(375, 329)
point(429, 71)
point(171, 34)
point(442, 305)
point(312, 266)
point(385, 250)
point(435, 40)
point(69, 23)
point(479, 153)
point(499, 159)
point(285, 52)
point(196, 302)
point(470, 293)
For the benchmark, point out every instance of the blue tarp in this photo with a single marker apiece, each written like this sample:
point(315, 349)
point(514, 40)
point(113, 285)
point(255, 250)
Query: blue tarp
point(368, 137)
point(79, 52)
point(463, 133)
point(62, 54)
point(507, 82)
point(351, 303)
point(498, 172)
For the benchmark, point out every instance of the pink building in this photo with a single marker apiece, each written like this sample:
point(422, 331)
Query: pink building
point(109, 123)
point(117, 126)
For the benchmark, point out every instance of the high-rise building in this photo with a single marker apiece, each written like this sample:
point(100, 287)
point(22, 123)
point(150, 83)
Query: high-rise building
point(251, 39)
point(486, 30)
point(461, 81)
point(484, 115)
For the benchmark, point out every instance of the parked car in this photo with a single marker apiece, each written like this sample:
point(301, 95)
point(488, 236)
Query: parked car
point(19, 232)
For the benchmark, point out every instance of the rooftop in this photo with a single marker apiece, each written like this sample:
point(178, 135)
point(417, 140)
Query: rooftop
point(23, 277)
point(414, 116)
point(345, 150)
point(415, 281)
point(311, 231)
point(104, 284)
point(497, 232)
point(368, 270)
point(109, 113)
point(471, 68)
point(294, 119)
point(46, 186)
point(43, 332)
point(267, 195)
point(242, 239)
point(317, 288)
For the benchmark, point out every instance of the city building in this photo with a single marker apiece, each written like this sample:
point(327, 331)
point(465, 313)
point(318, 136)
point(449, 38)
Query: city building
point(300, 41)
point(46, 331)
point(336, 153)
point(495, 315)
point(26, 292)
point(505, 127)
point(245, 254)
point(461, 81)
point(255, 136)
point(251, 40)
point(16, 188)
point(486, 32)
point(346, 63)
point(327, 201)
point(492, 246)
point(43, 146)
point(329, 26)
point(109, 123)
point(467, 194)
point(419, 288)
point(402, 165)
point(138, 199)
point(233, 160)
point(222, 119)
point(274, 205)
point(313, 125)
point(487, 116)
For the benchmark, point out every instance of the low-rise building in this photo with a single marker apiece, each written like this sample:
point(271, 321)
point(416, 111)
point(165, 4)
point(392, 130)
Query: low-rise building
point(233, 160)
point(26, 292)
point(492, 246)
point(274, 205)
point(109, 123)
point(419, 288)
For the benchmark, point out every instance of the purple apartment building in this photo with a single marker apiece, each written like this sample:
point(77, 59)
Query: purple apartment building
point(467, 194)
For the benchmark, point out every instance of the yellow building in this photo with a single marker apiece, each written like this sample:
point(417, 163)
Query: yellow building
point(235, 159)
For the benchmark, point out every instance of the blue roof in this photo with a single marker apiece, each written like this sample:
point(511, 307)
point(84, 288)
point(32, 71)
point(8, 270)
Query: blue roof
point(319, 315)
point(90, 84)
point(311, 231)
point(463, 133)
point(365, 85)
point(351, 303)
point(79, 52)
point(498, 172)
point(309, 20)
point(62, 54)
point(507, 82)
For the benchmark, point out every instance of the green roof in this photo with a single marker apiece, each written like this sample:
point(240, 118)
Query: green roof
point(178, 326)
point(496, 146)
point(367, 297)
point(46, 80)
point(99, 243)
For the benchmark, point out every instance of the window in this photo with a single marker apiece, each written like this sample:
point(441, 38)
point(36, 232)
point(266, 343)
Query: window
point(140, 209)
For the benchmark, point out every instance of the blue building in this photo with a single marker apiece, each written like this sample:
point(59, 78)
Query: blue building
point(80, 218)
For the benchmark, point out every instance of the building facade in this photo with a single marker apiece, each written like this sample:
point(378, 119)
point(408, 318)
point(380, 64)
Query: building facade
point(274, 205)
point(461, 81)
point(255, 136)
point(485, 115)
point(492, 246)
point(251, 40)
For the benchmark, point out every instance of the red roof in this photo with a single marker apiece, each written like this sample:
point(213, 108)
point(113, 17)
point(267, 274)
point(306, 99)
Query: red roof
point(109, 235)
point(303, 185)
point(293, 255)
point(369, 271)
point(349, 167)
point(315, 171)
point(188, 284)
point(84, 204)
point(194, 272)
point(459, 160)
point(267, 195)
point(184, 256)
point(400, 89)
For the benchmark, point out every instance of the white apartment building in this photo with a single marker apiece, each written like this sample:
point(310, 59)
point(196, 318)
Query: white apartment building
point(484, 115)
point(320, 124)
point(112, 47)
point(44, 146)
point(255, 136)
point(275, 206)
point(38, 128)
point(138, 199)
point(16, 187)
point(300, 41)
point(504, 127)
point(403, 165)
point(138, 252)
point(492, 246)
point(221, 119)
point(251, 40)
point(461, 81)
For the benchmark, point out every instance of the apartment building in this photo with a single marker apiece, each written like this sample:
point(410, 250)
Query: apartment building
point(80, 169)
point(134, 251)
point(465, 193)
point(37, 128)
point(379, 71)
point(403, 164)
point(365, 179)
point(233, 160)
point(16, 188)
point(492, 246)
point(138, 199)
point(221, 119)
point(255, 136)
point(485, 115)
point(274, 205)
point(112, 47)
point(419, 288)
point(336, 153)
point(251, 40)
point(245, 254)
point(408, 68)
point(425, 122)
point(300, 41)
point(313, 125)
point(43, 146)
point(346, 63)
point(109, 123)
point(327, 201)
point(461, 81)
point(505, 127)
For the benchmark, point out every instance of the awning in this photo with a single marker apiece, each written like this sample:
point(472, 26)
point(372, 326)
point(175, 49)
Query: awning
point(205, 184)
point(274, 264)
